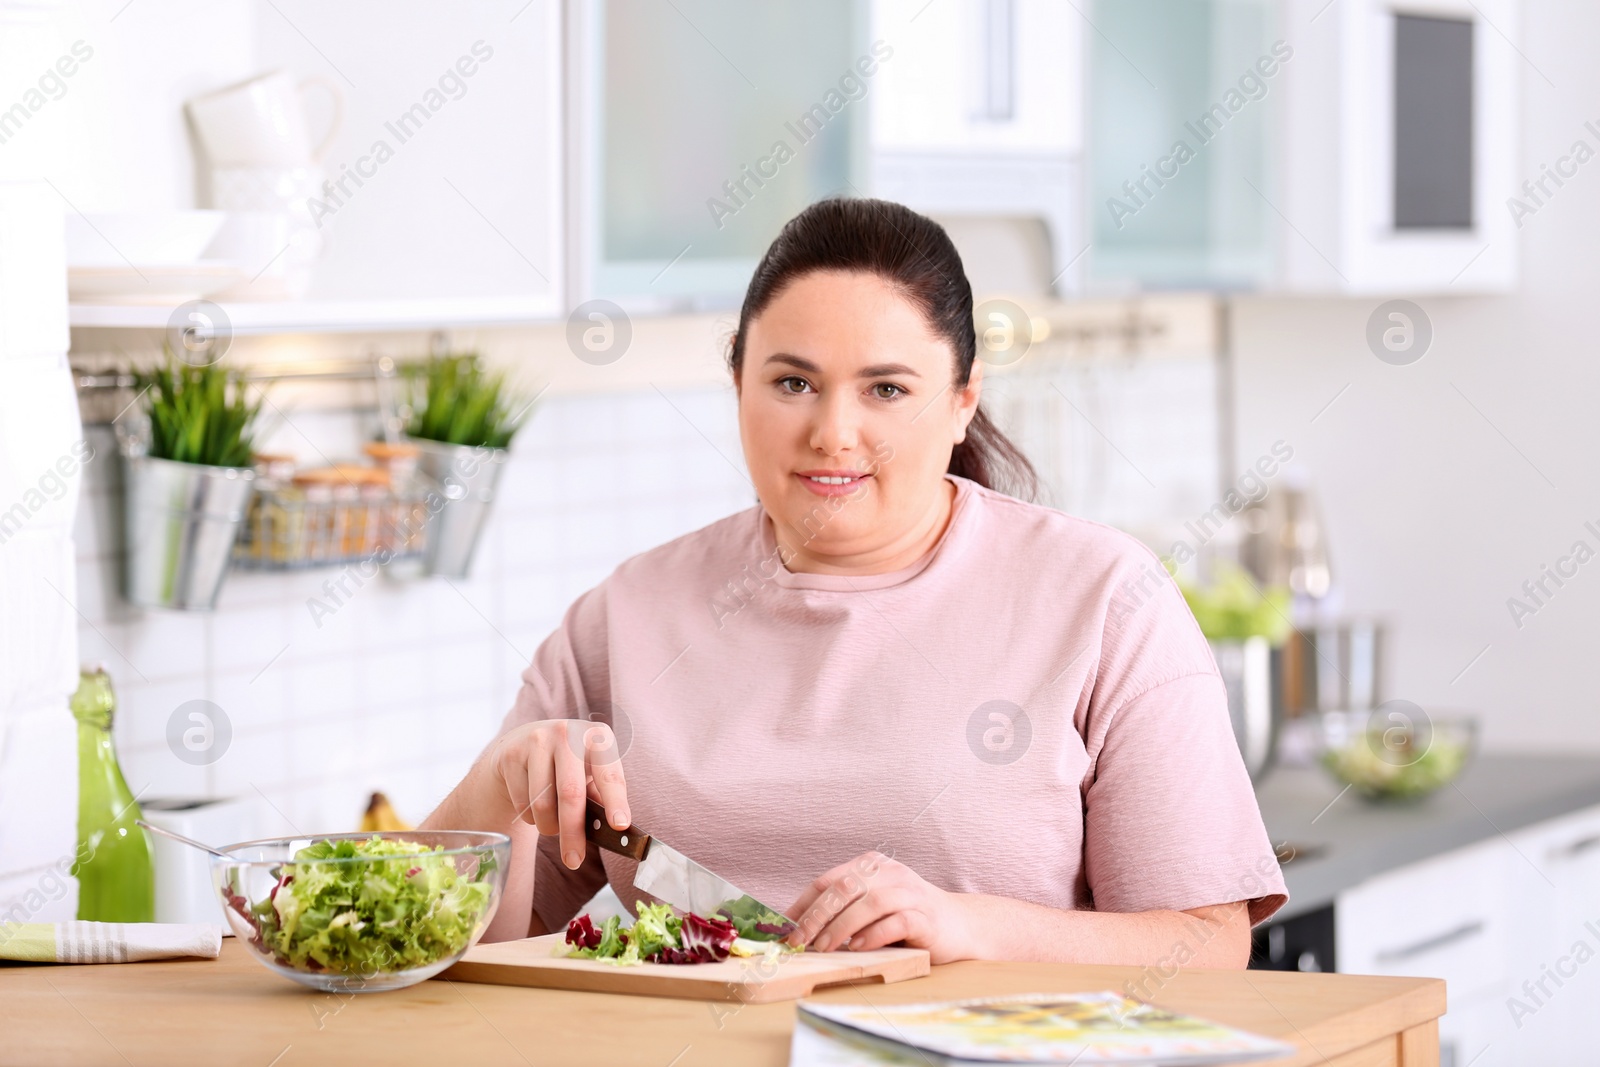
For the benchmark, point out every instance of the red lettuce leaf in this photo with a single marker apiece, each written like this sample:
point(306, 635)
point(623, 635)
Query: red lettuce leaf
point(713, 935)
point(582, 933)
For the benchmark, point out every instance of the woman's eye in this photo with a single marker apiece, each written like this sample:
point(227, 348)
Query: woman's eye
point(793, 384)
point(893, 391)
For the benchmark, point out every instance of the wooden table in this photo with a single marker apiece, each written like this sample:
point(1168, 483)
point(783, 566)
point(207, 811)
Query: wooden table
point(212, 1013)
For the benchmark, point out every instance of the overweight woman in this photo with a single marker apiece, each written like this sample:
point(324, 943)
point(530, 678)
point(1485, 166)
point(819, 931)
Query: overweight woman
point(912, 707)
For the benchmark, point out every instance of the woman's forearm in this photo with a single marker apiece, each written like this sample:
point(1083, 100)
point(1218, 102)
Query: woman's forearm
point(480, 803)
point(1004, 929)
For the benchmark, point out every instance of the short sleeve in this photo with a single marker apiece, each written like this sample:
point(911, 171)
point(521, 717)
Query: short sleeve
point(1170, 818)
point(568, 678)
point(558, 892)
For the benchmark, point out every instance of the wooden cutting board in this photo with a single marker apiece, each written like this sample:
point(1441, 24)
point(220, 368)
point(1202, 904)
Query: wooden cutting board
point(533, 962)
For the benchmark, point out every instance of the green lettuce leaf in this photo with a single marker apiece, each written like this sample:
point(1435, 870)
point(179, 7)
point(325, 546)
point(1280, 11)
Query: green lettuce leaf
point(406, 907)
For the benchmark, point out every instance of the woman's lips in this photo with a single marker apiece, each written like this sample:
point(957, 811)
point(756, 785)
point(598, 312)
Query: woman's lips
point(832, 482)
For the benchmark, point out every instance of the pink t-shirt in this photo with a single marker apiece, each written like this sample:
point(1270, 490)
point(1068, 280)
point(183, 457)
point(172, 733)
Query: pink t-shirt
point(1029, 710)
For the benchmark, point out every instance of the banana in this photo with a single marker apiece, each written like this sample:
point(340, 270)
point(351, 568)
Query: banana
point(380, 815)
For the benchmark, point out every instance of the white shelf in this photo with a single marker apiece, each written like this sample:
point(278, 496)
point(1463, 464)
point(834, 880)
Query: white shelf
point(334, 316)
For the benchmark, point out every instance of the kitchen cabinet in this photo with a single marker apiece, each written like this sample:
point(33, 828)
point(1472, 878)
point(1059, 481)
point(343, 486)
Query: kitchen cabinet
point(1183, 99)
point(979, 76)
point(697, 129)
point(1513, 926)
point(1555, 964)
point(1399, 147)
point(1305, 147)
point(444, 203)
point(980, 112)
point(1448, 917)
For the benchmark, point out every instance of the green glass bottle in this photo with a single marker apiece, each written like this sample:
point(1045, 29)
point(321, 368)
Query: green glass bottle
point(114, 865)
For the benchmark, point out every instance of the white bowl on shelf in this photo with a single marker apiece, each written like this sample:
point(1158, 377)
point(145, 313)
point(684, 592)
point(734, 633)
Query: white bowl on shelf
point(140, 238)
point(166, 285)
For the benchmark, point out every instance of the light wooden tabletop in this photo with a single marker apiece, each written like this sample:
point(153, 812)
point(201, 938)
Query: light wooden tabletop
point(213, 1013)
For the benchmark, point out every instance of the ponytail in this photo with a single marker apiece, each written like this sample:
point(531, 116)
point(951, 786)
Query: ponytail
point(988, 457)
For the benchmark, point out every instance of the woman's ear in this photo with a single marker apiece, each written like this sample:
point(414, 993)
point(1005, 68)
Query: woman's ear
point(967, 400)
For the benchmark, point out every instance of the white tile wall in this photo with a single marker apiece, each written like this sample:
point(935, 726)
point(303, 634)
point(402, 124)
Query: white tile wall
point(39, 475)
point(1132, 441)
point(404, 683)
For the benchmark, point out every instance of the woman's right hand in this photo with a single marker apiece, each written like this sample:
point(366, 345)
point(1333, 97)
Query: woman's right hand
point(551, 767)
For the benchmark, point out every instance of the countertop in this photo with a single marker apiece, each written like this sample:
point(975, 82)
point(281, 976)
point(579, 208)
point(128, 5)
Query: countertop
point(231, 1010)
point(1357, 839)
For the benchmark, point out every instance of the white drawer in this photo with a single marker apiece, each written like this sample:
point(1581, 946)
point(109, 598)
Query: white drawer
point(1564, 854)
point(1445, 917)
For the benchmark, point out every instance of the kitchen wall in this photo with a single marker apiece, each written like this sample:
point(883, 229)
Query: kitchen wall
point(39, 474)
point(403, 683)
point(1448, 483)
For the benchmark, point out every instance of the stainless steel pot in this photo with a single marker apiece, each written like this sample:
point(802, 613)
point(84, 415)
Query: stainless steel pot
point(1249, 670)
point(180, 521)
point(1334, 665)
point(464, 477)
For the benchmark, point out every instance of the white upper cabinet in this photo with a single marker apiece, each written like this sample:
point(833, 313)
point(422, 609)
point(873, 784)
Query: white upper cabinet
point(1184, 101)
point(501, 161)
point(698, 128)
point(1303, 146)
point(442, 201)
point(972, 76)
point(446, 168)
point(1400, 146)
point(979, 111)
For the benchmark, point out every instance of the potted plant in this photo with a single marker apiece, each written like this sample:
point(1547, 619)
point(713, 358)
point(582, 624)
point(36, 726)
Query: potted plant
point(463, 418)
point(188, 482)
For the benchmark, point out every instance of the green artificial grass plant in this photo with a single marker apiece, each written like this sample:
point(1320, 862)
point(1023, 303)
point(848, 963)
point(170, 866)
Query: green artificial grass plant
point(463, 404)
point(198, 414)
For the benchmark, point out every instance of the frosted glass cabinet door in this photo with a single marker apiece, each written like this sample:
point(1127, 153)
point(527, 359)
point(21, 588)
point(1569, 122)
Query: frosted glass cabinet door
point(1180, 114)
point(710, 124)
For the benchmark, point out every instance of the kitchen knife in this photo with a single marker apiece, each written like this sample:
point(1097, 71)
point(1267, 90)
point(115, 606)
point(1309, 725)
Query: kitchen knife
point(667, 874)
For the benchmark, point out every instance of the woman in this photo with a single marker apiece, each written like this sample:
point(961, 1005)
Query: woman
point(919, 709)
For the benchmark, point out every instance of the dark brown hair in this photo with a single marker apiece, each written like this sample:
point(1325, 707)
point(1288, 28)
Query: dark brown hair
point(915, 255)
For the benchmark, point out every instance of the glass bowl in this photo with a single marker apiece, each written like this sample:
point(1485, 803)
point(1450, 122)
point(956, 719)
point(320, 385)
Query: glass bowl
point(362, 912)
point(1396, 751)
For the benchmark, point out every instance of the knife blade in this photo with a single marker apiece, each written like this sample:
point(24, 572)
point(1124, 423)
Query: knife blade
point(667, 874)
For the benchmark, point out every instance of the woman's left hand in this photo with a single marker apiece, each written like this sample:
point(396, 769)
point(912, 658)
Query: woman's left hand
point(874, 901)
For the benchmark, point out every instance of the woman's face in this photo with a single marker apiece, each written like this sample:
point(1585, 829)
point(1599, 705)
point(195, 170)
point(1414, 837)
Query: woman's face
point(848, 414)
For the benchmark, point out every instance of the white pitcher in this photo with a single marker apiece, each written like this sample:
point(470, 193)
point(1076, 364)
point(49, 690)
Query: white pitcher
point(262, 122)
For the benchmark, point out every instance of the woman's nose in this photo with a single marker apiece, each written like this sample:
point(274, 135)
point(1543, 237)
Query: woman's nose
point(835, 429)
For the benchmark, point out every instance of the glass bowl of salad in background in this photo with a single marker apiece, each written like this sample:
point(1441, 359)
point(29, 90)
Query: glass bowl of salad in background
point(1396, 751)
point(366, 911)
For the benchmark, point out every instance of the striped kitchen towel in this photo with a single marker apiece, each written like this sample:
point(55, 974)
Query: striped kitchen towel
point(79, 942)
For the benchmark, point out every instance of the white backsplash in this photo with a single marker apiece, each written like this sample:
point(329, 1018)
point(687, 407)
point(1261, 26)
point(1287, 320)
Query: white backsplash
point(402, 685)
point(39, 477)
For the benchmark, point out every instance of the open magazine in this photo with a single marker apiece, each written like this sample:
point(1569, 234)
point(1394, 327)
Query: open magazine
point(1067, 1028)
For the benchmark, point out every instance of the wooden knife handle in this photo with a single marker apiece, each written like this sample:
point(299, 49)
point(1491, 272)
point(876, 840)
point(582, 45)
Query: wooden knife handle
point(631, 842)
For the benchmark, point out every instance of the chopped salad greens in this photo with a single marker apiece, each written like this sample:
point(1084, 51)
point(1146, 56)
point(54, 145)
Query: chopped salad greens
point(754, 920)
point(405, 907)
point(737, 928)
